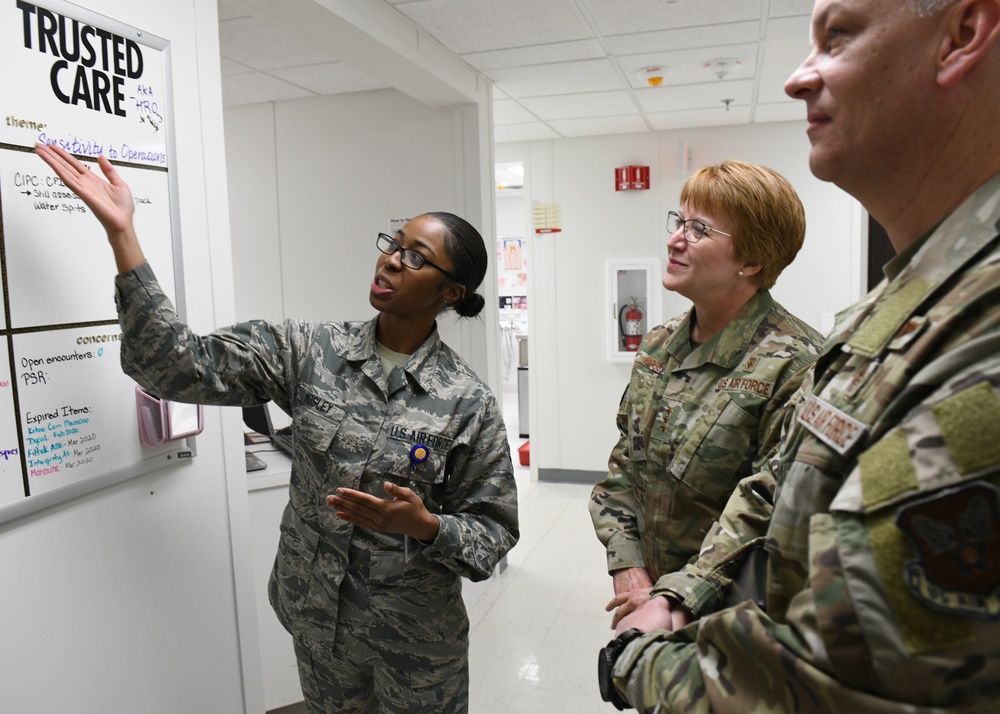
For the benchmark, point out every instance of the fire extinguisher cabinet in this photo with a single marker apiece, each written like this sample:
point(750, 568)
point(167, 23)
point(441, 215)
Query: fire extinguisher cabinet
point(635, 304)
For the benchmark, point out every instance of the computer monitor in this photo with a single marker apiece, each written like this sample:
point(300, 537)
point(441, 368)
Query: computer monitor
point(263, 418)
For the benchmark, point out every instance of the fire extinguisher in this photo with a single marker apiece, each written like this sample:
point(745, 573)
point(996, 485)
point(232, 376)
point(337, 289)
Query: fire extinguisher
point(631, 326)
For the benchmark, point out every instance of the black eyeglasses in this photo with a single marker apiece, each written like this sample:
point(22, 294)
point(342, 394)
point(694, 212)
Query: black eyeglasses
point(409, 257)
point(694, 230)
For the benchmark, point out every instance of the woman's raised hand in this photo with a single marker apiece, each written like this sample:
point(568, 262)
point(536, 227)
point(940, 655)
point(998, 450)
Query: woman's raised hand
point(111, 200)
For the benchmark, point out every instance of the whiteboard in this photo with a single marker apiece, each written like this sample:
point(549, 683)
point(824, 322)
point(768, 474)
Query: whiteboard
point(93, 86)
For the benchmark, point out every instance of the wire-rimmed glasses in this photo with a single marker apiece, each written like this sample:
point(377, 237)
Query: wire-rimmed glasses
point(694, 230)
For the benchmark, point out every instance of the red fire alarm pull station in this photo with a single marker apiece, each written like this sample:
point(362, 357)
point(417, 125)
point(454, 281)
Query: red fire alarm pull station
point(630, 178)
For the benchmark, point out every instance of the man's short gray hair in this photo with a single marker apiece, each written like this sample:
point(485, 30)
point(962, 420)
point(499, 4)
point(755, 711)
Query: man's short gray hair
point(928, 8)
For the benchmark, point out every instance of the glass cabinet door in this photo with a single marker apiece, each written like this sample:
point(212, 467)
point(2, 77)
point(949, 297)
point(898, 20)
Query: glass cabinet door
point(634, 304)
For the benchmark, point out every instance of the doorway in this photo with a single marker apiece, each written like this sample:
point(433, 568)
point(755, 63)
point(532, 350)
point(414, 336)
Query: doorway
point(512, 286)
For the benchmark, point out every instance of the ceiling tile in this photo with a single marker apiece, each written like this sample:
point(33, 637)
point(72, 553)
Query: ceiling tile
point(535, 131)
point(265, 45)
point(787, 45)
point(694, 118)
point(539, 54)
point(715, 36)
point(329, 78)
point(621, 17)
point(558, 66)
point(560, 78)
point(478, 25)
point(230, 12)
point(596, 126)
point(230, 67)
point(573, 106)
point(783, 8)
point(507, 111)
point(689, 65)
point(696, 96)
point(258, 87)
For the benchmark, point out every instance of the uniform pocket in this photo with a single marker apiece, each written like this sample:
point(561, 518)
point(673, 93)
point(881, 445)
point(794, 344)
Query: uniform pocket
point(315, 432)
point(401, 463)
point(419, 601)
point(717, 450)
point(293, 566)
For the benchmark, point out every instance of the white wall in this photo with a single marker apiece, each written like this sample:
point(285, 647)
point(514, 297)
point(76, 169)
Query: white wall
point(312, 181)
point(575, 390)
point(133, 598)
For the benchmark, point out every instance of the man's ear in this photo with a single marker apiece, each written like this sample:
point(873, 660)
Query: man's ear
point(971, 28)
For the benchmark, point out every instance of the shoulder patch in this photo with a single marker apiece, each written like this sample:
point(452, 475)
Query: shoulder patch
point(966, 420)
point(887, 469)
point(887, 317)
point(955, 537)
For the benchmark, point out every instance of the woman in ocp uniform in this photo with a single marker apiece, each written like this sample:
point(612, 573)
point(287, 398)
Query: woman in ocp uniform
point(706, 397)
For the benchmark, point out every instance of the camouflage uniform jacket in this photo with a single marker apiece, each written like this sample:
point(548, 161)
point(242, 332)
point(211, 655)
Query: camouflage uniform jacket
point(354, 427)
point(883, 575)
point(692, 423)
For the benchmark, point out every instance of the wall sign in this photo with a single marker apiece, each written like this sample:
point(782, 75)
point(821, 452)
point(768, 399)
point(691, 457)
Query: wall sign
point(92, 86)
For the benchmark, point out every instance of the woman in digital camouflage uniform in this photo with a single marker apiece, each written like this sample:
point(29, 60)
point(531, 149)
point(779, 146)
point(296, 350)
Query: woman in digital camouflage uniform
point(401, 476)
point(704, 404)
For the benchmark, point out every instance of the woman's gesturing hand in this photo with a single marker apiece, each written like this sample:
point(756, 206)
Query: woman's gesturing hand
point(403, 512)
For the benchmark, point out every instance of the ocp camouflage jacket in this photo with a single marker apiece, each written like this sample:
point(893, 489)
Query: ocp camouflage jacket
point(693, 422)
point(884, 542)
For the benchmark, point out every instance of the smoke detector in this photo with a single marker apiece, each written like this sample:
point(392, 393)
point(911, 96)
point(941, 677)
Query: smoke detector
point(722, 67)
point(654, 74)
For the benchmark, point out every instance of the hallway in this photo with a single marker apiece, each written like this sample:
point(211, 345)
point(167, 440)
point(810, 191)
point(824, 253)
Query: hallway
point(538, 625)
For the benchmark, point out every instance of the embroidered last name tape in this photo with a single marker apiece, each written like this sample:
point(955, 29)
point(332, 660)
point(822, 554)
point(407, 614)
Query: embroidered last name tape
point(832, 426)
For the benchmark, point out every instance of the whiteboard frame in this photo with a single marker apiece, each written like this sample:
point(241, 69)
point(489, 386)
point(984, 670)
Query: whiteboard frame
point(184, 449)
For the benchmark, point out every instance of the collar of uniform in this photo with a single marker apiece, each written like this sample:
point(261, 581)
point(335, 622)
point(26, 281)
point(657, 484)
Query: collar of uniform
point(362, 343)
point(362, 346)
point(728, 347)
point(848, 320)
point(956, 241)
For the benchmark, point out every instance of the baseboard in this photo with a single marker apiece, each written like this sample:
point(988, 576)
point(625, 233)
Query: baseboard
point(571, 476)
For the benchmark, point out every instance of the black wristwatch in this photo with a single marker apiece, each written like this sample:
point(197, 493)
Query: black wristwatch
point(606, 666)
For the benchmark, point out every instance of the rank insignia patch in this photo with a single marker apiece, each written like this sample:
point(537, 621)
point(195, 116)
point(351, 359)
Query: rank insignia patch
point(955, 536)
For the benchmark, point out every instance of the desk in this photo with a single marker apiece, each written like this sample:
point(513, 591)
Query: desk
point(277, 473)
point(267, 491)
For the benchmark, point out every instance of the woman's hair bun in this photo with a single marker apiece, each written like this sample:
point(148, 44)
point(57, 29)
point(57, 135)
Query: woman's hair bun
point(470, 305)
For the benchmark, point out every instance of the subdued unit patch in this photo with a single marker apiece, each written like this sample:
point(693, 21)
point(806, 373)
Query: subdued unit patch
point(887, 318)
point(923, 629)
point(970, 426)
point(886, 469)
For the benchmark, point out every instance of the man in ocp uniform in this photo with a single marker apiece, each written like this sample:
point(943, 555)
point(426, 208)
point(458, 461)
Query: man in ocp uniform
point(882, 576)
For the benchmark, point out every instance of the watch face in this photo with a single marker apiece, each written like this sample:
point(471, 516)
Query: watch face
point(605, 665)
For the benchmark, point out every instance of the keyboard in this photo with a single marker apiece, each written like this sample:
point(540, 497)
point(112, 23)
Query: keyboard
point(282, 438)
